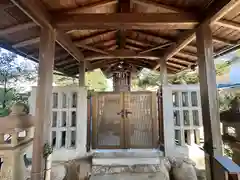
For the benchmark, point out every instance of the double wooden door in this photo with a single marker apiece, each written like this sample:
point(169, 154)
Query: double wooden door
point(124, 120)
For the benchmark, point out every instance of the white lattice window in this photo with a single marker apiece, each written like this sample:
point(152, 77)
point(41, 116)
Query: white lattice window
point(186, 116)
point(64, 119)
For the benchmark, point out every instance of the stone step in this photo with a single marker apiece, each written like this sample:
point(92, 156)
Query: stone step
point(127, 157)
point(98, 170)
point(142, 176)
point(125, 161)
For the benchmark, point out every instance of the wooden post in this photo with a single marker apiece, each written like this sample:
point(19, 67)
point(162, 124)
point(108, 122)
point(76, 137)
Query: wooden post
point(163, 99)
point(163, 73)
point(43, 103)
point(81, 74)
point(209, 99)
point(82, 121)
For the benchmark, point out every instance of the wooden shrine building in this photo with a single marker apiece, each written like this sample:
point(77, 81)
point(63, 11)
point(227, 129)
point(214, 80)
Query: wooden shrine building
point(122, 37)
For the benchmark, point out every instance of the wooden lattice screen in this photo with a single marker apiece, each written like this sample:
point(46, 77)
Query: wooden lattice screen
point(124, 120)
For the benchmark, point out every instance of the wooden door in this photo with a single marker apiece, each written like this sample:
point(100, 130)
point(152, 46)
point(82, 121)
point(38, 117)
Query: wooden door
point(107, 121)
point(124, 120)
point(141, 124)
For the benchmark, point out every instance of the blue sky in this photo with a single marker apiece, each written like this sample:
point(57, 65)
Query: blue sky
point(234, 74)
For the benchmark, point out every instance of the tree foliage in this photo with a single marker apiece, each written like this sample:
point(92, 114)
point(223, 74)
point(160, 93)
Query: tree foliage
point(150, 78)
point(95, 80)
point(12, 75)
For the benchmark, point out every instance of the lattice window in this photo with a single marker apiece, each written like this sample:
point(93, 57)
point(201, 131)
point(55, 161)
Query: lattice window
point(64, 119)
point(186, 116)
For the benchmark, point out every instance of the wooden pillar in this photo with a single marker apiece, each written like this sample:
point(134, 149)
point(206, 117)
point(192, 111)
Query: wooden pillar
point(43, 102)
point(209, 99)
point(163, 73)
point(82, 120)
point(165, 112)
point(81, 74)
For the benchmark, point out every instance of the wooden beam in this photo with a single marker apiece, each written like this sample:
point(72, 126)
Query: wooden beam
point(81, 74)
point(160, 38)
point(215, 12)
point(187, 53)
point(123, 20)
point(228, 24)
point(139, 43)
point(156, 5)
point(90, 48)
point(16, 28)
point(182, 61)
point(91, 39)
point(112, 48)
point(123, 54)
point(124, 6)
point(63, 41)
point(89, 8)
point(105, 43)
point(209, 98)
point(35, 10)
point(180, 66)
point(26, 42)
point(133, 47)
point(223, 41)
point(157, 47)
point(43, 106)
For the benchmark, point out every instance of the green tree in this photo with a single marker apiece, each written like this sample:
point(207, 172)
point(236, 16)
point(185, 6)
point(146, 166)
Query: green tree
point(150, 78)
point(95, 80)
point(12, 75)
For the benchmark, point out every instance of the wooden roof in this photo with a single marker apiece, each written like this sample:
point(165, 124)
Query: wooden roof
point(105, 33)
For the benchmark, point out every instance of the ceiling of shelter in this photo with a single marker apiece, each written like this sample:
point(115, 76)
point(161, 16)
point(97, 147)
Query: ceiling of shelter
point(106, 33)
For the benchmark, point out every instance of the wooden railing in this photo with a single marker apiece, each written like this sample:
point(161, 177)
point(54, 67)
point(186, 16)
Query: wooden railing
point(231, 169)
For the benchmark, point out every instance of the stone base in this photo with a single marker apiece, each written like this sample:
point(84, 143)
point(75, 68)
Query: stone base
point(138, 168)
point(126, 157)
point(145, 176)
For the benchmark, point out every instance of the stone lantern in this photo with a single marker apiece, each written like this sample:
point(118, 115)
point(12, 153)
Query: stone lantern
point(16, 135)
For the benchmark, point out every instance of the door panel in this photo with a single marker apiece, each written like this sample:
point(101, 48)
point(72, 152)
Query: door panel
point(124, 120)
point(107, 123)
point(140, 122)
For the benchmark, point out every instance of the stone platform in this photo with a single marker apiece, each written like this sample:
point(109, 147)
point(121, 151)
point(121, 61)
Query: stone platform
point(128, 165)
point(126, 157)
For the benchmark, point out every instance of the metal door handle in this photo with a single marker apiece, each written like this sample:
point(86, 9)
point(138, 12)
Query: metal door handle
point(121, 113)
point(127, 112)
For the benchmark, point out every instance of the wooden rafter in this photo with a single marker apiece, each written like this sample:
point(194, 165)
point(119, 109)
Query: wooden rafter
point(182, 52)
point(215, 12)
point(91, 39)
point(151, 36)
point(123, 20)
point(78, 44)
point(124, 6)
point(112, 48)
point(139, 43)
point(88, 8)
point(123, 54)
point(26, 42)
point(181, 60)
point(157, 47)
point(154, 4)
point(37, 39)
point(223, 41)
point(16, 28)
point(132, 47)
point(171, 39)
point(229, 24)
point(35, 10)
